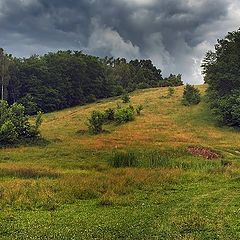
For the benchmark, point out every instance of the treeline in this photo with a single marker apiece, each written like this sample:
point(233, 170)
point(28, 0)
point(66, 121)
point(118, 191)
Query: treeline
point(69, 78)
point(222, 73)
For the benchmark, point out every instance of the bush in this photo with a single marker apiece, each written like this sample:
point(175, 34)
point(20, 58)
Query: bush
point(109, 115)
point(171, 91)
point(123, 115)
point(191, 96)
point(226, 108)
point(125, 98)
point(124, 159)
point(8, 133)
point(95, 122)
point(139, 108)
point(15, 125)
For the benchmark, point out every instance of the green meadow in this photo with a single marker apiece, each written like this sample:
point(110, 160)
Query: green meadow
point(184, 183)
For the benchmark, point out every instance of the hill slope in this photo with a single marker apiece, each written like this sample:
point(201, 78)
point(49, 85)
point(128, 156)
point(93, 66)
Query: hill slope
point(78, 195)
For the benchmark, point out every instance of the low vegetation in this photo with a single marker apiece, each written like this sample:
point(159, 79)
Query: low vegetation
point(191, 96)
point(125, 98)
point(118, 116)
point(124, 114)
point(95, 122)
point(15, 125)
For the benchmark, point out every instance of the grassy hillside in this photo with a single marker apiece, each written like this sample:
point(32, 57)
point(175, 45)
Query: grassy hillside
point(65, 188)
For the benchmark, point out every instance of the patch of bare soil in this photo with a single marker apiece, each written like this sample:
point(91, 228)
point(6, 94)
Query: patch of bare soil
point(204, 152)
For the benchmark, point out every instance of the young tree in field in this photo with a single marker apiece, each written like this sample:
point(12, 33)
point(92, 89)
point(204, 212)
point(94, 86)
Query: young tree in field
point(191, 96)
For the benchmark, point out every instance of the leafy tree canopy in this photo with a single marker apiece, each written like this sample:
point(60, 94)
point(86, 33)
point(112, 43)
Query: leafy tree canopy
point(222, 73)
point(68, 78)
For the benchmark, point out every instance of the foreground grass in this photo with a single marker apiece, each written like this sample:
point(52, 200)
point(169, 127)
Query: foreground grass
point(67, 189)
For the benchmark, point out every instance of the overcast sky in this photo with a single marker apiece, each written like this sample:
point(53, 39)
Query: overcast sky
point(174, 34)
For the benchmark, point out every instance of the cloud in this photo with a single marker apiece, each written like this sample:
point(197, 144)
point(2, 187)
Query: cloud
point(175, 34)
point(106, 40)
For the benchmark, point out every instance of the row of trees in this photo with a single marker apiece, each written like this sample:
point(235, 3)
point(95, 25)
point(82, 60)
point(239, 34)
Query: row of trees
point(68, 78)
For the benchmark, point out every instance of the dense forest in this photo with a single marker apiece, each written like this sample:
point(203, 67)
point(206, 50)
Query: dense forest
point(68, 78)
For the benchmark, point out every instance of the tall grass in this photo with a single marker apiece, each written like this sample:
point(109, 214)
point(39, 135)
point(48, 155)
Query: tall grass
point(124, 159)
point(26, 172)
point(167, 158)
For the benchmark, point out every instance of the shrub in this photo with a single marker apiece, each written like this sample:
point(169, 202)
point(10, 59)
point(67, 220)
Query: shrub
point(171, 91)
point(95, 122)
point(124, 159)
point(125, 98)
point(123, 115)
point(109, 115)
point(34, 129)
point(191, 95)
point(8, 133)
point(226, 108)
point(139, 108)
point(15, 125)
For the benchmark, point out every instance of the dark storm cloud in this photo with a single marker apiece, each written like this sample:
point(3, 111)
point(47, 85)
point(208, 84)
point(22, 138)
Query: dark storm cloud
point(174, 33)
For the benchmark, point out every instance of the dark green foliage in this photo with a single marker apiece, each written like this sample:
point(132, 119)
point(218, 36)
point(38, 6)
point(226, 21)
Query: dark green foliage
point(29, 104)
point(125, 97)
point(191, 95)
point(172, 80)
point(123, 115)
point(124, 159)
point(95, 122)
point(139, 108)
point(226, 108)
point(69, 78)
point(142, 85)
point(8, 133)
point(221, 69)
point(91, 98)
point(14, 124)
point(109, 115)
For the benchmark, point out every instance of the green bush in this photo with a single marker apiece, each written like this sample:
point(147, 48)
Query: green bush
point(171, 91)
point(8, 133)
point(226, 108)
point(109, 115)
point(139, 108)
point(124, 114)
point(191, 96)
point(124, 159)
point(125, 98)
point(95, 122)
point(15, 125)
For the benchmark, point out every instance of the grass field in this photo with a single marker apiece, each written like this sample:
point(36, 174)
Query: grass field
point(65, 187)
